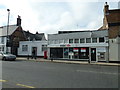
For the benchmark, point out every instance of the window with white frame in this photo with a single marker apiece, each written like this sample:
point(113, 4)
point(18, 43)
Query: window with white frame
point(61, 41)
point(65, 40)
point(88, 40)
point(56, 41)
point(94, 40)
point(44, 47)
point(70, 40)
point(82, 40)
point(76, 41)
point(101, 39)
point(2, 40)
point(3, 48)
point(24, 48)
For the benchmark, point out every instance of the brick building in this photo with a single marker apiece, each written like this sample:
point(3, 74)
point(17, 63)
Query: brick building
point(111, 21)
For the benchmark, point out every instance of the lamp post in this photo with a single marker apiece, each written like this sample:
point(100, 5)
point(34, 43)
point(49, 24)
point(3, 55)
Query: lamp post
point(7, 30)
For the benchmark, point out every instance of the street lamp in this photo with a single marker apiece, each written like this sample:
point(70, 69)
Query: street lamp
point(7, 30)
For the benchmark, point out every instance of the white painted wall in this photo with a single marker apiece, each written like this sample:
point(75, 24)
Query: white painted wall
point(3, 44)
point(31, 44)
point(114, 49)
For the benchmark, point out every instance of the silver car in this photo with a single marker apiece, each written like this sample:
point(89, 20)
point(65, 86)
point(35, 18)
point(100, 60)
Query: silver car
point(4, 56)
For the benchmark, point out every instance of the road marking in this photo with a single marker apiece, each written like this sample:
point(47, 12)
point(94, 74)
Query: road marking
point(25, 86)
point(3, 81)
point(97, 72)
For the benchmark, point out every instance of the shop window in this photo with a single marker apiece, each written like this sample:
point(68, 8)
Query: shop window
point(24, 47)
point(101, 55)
point(84, 52)
point(44, 47)
point(94, 40)
point(82, 40)
point(66, 50)
point(76, 53)
point(56, 52)
point(101, 39)
point(60, 41)
point(70, 40)
point(88, 40)
point(76, 41)
point(71, 52)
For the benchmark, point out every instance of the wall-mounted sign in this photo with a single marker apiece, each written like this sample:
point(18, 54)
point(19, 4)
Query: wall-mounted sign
point(75, 49)
point(62, 45)
point(71, 53)
point(68, 45)
point(101, 49)
point(83, 49)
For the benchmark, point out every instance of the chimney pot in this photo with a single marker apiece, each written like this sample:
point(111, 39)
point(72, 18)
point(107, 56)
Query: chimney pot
point(19, 21)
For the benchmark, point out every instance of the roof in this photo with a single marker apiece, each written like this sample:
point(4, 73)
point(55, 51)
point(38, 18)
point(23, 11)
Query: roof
point(81, 34)
point(37, 37)
point(3, 30)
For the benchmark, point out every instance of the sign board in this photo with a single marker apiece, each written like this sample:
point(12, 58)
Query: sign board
point(101, 49)
point(75, 49)
point(71, 53)
point(68, 45)
point(62, 45)
point(83, 49)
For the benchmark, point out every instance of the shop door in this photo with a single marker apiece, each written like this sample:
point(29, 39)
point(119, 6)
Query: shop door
point(93, 54)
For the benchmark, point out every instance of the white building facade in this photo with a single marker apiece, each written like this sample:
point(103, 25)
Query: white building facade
point(82, 45)
point(114, 49)
point(2, 44)
point(26, 48)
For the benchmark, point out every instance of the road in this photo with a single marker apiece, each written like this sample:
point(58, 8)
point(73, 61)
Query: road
point(31, 74)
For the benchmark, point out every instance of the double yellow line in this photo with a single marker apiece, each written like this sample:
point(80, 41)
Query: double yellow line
point(22, 85)
point(3, 80)
point(26, 86)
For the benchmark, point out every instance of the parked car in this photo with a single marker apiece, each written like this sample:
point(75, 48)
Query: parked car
point(4, 56)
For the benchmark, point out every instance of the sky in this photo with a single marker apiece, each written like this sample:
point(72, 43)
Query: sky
point(51, 16)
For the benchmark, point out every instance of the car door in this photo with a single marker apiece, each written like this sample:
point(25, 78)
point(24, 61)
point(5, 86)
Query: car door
point(1, 56)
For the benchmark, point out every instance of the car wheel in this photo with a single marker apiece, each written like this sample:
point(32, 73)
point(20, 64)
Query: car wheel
point(4, 58)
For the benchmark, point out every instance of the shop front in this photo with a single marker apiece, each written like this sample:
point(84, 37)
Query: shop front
point(94, 54)
point(76, 53)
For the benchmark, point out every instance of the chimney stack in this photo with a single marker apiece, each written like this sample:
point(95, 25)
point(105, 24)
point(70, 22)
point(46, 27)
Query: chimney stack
point(106, 8)
point(18, 21)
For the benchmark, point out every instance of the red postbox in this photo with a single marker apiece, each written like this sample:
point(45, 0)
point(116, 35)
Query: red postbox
point(45, 54)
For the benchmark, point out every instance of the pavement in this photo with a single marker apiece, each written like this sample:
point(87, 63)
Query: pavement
point(68, 61)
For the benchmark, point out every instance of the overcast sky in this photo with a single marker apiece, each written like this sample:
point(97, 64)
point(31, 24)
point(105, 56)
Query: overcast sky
point(51, 16)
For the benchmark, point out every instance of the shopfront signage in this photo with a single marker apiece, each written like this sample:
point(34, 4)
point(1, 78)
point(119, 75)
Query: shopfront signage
point(68, 45)
point(71, 53)
point(83, 49)
point(62, 45)
point(101, 49)
point(75, 49)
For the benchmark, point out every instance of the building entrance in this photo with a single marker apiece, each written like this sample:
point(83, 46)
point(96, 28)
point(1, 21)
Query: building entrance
point(93, 54)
